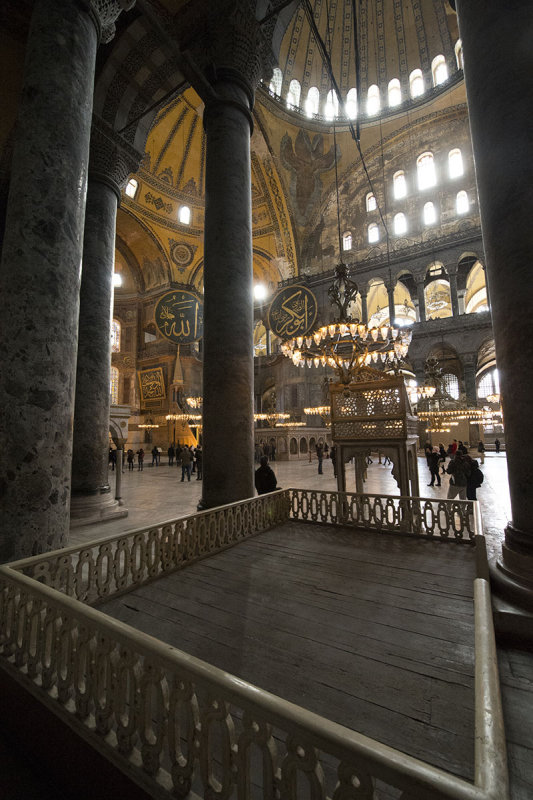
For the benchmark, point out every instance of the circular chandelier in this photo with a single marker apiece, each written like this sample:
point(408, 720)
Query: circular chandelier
point(183, 417)
point(271, 417)
point(195, 402)
point(347, 345)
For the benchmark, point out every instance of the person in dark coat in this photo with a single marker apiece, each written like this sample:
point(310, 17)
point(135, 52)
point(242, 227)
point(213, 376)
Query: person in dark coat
point(433, 460)
point(265, 478)
point(171, 453)
point(199, 461)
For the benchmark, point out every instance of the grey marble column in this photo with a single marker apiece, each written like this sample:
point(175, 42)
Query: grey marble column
point(469, 372)
point(497, 52)
point(228, 310)
point(421, 298)
point(40, 273)
point(110, 163)
point(453, 293)
point(392, 308)
point(364, 308)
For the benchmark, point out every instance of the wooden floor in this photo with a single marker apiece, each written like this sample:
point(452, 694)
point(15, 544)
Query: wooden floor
point(372, 631)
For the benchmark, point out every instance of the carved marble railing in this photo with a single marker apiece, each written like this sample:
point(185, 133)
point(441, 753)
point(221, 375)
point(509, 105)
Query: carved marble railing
point(441, 519)
point(184, 728)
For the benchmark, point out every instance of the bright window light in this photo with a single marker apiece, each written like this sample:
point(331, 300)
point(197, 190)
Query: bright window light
point(131, 187)
point(184, 215)
point(117, 279)
point(260, 292)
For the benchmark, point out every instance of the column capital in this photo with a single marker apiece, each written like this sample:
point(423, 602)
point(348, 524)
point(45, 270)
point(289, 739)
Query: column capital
point(469, 359)
point(112, 158)
point(104, 14)
point(419, 279)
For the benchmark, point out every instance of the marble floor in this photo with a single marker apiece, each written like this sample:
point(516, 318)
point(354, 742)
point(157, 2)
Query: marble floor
point(157, 494)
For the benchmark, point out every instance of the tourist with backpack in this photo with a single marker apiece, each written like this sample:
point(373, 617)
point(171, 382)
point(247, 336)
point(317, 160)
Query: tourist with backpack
point(474, 480)
point(459, 472)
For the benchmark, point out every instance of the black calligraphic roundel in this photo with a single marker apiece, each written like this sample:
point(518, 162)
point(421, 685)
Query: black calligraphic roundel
point(292, 312)
point(179, 316)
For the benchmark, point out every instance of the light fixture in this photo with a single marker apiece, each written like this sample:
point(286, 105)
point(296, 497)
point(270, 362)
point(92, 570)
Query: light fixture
point(183, 417)
point(271, 417)
point(493, 398)
point(347, 345)
point(195, 402)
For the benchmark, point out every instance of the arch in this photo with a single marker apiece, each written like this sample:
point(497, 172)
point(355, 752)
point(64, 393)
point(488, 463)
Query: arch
point(184, 215)
point(394, 93)
point(377, 303)
point(455, 163)
point(429, 214)
point(371, 202)
point(293, 95)
point(459, 54)
point(351, 104)
point(276, 82)
point(113, 386)
point(400, 224)
point(462, 203)
point(312, 103)
point(132, 187)
point(425, 168)
point(303, 445)
point(439, 70)
point(416, 83)
point(293, 446)
point(404, 308)
point(373, 102)
point(116, 330)
point(373, 233)
point(347, 240)
point(331, 108)
point(437, 292)
point(476, 290)
point(399, 185)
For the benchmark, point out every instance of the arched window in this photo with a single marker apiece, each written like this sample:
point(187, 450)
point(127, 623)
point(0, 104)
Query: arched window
point(131, 188)
point(347, 241)
point(455, 163)
point(313, 101)
point(450, 384)
point(117, 280)
point(425, 167)
point(399, 185)
point(115, 336)
point(276, 82)
point(439, 70)
point(351, 104)
point(184, 215)
point(332, 105)
point(395, 92)
point(489, 383)
point(293, 96)
point(400, 224)
point(459, 54)
point(373, 233)
point(113, 386)
point(371, 202)
point(373, 103)
point(416, 83)
point(430, 215)
point(462, 205)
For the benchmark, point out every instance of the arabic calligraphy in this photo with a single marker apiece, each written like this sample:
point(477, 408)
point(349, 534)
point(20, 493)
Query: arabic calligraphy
point(152, 384)
point(292, 312)
point(179, 316)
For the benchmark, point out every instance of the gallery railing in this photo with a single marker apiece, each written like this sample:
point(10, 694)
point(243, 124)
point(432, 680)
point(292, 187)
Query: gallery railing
point(183, 727)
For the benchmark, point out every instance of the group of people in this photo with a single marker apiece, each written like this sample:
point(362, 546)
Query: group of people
point(267, 449)
point(187, 457)
point(465, 474)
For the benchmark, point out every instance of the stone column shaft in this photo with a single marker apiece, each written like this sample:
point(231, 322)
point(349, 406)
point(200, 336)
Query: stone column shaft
point(392, 308)
point(453, 293)
point(469, 372)
point(228, 302)
point(40, 278)
point(497, 51)
point(421, 300)
point(364, 308)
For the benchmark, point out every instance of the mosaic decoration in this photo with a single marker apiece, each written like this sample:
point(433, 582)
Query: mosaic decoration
point(152, 384)
point(181, 253)
point(292, 312)
point(179, 316)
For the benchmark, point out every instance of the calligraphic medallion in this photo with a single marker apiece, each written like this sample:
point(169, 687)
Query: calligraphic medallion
point(152, 384)
point(179, 316)
point(292, 312)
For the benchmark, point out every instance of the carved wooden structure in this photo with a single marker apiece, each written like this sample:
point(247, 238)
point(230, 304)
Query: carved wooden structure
point(373, 413)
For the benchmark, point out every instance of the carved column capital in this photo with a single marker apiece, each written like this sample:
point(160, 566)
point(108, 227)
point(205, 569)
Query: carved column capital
point(111, 158)
point(105, 13)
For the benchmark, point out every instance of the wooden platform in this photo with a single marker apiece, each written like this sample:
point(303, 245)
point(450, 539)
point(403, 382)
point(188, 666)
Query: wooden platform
point(373, 631)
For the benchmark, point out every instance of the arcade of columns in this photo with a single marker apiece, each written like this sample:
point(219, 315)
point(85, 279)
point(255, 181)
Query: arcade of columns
point(57, 265)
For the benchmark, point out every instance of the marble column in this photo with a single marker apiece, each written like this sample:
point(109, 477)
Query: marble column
point(40, 272)
point(110, 163)
point(238, 54)
point(364, 308)
point(452, 277)
point(469, 373)
point(461, 300)
point(487, 286)
point(419, 280)
point(392, 308)
point(497, 53)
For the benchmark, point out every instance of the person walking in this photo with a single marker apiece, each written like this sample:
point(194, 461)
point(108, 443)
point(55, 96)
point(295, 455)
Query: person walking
point(265, 479)
point(186, 461)
point(198, 455)
point(474, 480)
point(497, 445)
point(481, 451)
point(333, 457)
point(140, 459)
point(112, 458)
point(171, 453)
point(155, 454)
point(320, 456)
point(459, 470)
point(442, 459)
point(433, 464)
point(130, 456)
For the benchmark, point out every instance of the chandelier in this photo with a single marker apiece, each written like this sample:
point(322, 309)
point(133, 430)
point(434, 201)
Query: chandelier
point(272, 418)
point(347, 345)
point(195, 402)
point(321, 411)
point(183, 417)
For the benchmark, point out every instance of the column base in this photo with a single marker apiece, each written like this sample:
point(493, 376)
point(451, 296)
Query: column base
point(512, 589)
point(100, 506)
